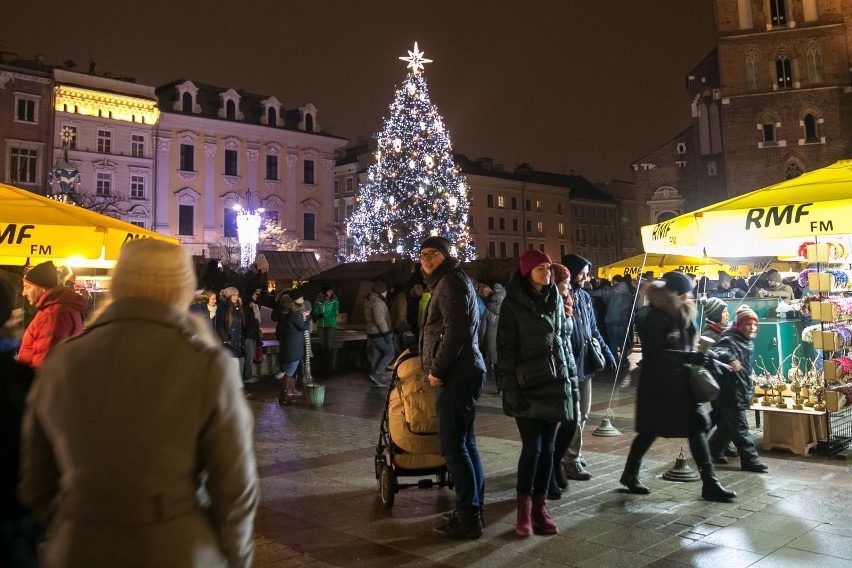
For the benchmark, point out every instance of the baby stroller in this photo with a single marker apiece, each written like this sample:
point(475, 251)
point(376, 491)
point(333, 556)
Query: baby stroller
point(408, 435)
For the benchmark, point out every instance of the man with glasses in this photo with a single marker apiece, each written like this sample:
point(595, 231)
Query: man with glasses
point(450, 354)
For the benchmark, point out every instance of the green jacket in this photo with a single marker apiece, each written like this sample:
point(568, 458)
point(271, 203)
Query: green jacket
point(421, 308)
point(325, 311)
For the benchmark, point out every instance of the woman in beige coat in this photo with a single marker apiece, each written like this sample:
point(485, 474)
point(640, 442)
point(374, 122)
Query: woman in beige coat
point(137, 446)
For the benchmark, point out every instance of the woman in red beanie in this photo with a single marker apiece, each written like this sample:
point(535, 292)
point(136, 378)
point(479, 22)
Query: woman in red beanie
point(534, 370)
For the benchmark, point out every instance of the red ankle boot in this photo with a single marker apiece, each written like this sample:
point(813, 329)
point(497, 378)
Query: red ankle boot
point(541, 521)
point(523, 524)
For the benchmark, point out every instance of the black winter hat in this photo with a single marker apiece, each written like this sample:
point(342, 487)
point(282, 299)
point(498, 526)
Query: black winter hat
point(379, 287)
point(575, 264)
point(440, 244)
point(724, 276)
point(44, 275)
point(677, 282)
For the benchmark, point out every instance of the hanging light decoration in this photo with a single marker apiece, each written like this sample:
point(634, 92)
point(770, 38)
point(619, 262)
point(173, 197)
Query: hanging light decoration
point(248, 229)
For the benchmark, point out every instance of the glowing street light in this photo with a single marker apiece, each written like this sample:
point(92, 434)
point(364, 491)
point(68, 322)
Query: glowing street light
point(248, 229)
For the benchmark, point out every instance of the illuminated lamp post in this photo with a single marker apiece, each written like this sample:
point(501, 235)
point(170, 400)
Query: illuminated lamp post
point(248, 230)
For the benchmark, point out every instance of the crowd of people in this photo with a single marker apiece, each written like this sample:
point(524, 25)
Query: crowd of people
point(188, 482)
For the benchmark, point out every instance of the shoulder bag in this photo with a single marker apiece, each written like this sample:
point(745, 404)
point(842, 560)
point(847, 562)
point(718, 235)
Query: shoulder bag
point(533, 373)
point(703, 385)
point(594, 355)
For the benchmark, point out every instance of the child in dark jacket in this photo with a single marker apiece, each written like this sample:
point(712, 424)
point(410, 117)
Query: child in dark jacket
point(736, 350)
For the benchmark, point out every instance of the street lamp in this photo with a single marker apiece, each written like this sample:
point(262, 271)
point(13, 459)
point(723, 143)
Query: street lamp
point(248, 229)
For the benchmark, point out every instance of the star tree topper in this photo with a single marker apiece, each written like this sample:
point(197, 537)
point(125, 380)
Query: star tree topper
point(415, 60)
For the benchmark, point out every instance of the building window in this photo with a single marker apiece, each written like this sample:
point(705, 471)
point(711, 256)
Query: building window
point(230, 226)
point(25, 109)
point(559, 210)
point(528, 204)
point(137, 145)
point(309, 227)
point(681, 148)
point(811, 131)
point(502, 223)
point(778, 12)
point(309, 173)
point(23, 165)
point(502, 250)
point(529, 226)
point(514, 204)
point(336, 214)
point(711, 168)
point(814, 62)
point(187, 158)
point(270, 218)
point(539, 226)
point(562, 250)
point(271, 167)
point(501, 202)
point(514, 224)
point(186, 103)
point(538, 205)
point(769, 133)
point(516, 250)
point(491, 223)
point(137, 187)
point(103, 183)
point(561, 228)
point(752, 71)
point(349, 209)
point(104, 141)
point(186, 220)
point(350, 184)
point(783, 72)
point(271, 116)
point(140, 224)
point(230, 110)
point(491, 249)
point(489, 200)
point(230, 162)
point(337, 187)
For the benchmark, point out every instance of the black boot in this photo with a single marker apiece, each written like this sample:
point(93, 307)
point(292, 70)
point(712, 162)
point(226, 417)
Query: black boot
point(559, 475)
point(711, 489)
point(630, 478)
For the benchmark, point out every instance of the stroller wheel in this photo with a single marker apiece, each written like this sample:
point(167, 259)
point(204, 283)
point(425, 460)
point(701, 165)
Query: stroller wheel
point(387, 486)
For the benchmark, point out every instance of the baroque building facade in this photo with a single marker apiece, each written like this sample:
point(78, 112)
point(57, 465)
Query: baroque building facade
point(773, 100)
point(218, 147)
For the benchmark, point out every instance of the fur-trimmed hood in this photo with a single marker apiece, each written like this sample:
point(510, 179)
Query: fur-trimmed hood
point(661, 298)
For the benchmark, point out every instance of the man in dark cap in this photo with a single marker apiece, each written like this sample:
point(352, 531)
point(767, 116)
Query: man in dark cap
point(585, 328)
point(724, 290)
point(449, 350)
point(59, 314)
point(774, 287)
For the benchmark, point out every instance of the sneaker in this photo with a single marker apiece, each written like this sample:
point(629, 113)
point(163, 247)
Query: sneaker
point(575, 470)
point(280, 376)
point(756, 466)
point(377, 381)
point(720, 459)
point(582, 459)
point(461, 529)
point(454, 514)
point(251, 381)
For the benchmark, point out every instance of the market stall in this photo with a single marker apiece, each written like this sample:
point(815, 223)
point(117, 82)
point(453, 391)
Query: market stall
point(810, 218)
point(662, 263)
point(35, 229)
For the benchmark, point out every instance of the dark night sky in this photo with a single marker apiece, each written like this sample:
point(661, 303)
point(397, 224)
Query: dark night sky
point(588, 85)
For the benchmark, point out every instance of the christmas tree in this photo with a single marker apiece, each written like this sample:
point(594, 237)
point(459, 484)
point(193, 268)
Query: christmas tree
point(414, 190)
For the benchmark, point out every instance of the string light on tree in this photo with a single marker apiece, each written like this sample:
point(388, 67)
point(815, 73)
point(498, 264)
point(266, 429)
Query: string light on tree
point(414, 190)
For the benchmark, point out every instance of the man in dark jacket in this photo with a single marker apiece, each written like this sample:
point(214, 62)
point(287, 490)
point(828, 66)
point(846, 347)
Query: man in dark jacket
point(450, 354)
point(724, 289)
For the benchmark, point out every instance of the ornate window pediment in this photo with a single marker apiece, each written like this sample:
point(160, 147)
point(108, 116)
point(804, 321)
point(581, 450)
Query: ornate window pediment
point(271, 112)
point(230, 105)
point(308, 120)
point(231, 143)
point(104, 165)
point(187, 92)
point(310, 205)
point(187, 196)
point(187, 137)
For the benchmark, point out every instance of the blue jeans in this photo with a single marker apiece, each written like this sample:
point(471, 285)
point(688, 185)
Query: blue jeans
point(616, 333)
point(535, 464)
point(382, 355)
point(248, 365)
point(456, 405)
point(289, 368)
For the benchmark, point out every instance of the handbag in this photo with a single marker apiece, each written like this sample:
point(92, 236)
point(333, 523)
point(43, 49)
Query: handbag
point(257, 359)
point(703, 385)
point(533, 373)
point(594, 355)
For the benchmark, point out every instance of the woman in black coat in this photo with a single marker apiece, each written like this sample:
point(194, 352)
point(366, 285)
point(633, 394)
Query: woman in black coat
point(531, 330)
point(230, 321)
point(664, 403)
point(290, 331)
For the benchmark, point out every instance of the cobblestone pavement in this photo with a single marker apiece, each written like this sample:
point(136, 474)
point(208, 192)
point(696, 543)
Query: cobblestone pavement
point(320, 505)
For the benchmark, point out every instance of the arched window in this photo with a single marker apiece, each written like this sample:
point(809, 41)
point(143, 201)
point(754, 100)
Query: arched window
point(271, 116)
point(793, 170)
point(309, 122)
point(230, 110)
point(811, 129)
point(814, 62)
point(752, 73)
point(783, 71)
point(186, 102)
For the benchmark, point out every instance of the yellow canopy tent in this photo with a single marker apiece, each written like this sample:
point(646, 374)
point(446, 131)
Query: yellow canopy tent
point(767, 222)
point(662, 263)
point(38, 229)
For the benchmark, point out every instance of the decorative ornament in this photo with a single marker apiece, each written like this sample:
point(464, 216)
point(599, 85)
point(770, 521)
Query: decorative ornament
point(411, 88)
point(415, 60)
point(397, 144)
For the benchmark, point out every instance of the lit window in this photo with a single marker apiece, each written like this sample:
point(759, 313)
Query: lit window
point(538, 205)
point(561, 228)
point(539, 226)
point(501, 201)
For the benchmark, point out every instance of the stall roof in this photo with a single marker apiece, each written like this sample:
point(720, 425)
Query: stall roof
point(291, 265)
point(370, 270)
